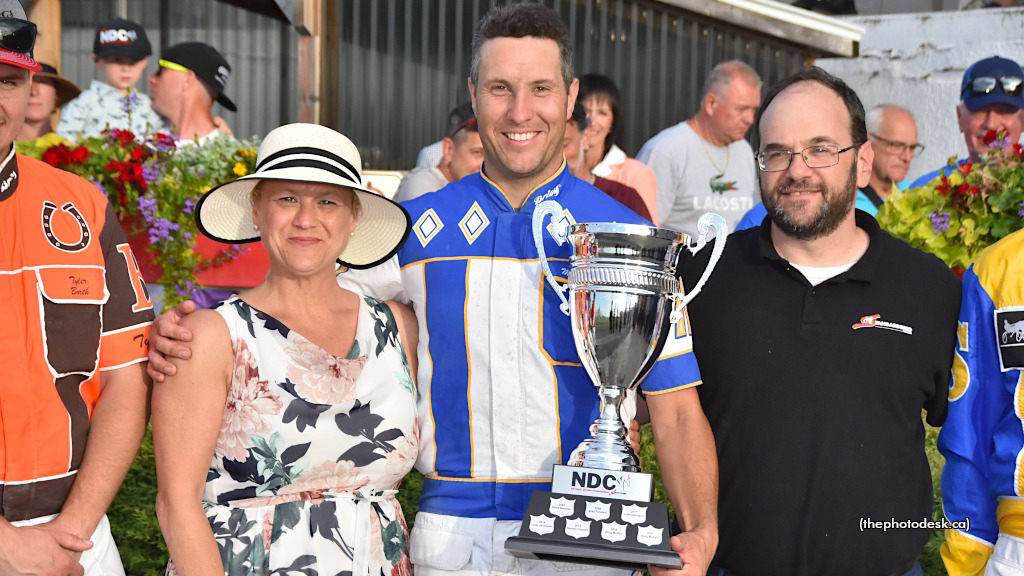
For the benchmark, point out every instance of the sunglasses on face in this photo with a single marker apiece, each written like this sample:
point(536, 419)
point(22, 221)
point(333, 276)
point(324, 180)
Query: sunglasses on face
point(1012, 85)
point(469, 123)
point(170, 66)
point(17, 35)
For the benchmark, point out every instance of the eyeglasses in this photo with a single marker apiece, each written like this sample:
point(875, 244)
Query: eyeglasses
point(820, 156)
point(17, 35)
point(1012, 85)
point(897, 148)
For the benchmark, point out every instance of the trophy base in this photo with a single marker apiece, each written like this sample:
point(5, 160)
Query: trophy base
point(592, 530)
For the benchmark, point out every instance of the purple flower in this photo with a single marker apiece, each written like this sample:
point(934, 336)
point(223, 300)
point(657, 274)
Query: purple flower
point(98, 185)
point(129, 102)
point(164, 143)
point(1021, 213)
point(940, 222)
point(190, 205)
point(235, 251)
point(150, 172)
point(160, 228)
point(147, 205)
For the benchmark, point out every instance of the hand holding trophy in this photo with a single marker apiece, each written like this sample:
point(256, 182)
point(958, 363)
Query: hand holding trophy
point(621, 284)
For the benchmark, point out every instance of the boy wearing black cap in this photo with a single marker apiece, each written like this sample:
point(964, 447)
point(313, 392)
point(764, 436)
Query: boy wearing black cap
point(121, 51)
point(191, 77)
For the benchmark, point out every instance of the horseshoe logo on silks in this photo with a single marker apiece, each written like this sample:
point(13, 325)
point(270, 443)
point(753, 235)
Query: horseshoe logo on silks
point(48, 210)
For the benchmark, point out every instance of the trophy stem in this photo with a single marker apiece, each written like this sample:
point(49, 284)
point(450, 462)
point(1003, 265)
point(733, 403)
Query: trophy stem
point(608, 447)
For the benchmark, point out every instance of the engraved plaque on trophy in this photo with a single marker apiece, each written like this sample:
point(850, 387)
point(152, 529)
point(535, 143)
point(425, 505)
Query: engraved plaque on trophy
point(623, 299)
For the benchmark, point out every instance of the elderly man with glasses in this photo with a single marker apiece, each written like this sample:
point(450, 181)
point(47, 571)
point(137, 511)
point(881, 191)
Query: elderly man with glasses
point(893, 134)
point(991, 105)
point(821, 338)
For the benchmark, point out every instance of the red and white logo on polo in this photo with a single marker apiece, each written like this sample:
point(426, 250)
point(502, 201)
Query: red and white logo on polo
point(873, 321)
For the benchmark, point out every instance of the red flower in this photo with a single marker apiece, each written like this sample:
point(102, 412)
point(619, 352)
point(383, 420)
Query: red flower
point(79, 155)
point(943, 187)
point(163, 139)
point(51, 157)
point(966, 168)
point(124, 137)
point(990, 137)
point(58, 155)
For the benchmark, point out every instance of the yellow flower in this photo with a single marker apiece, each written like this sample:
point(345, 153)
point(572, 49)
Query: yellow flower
point(247, 153)
point(240, 169)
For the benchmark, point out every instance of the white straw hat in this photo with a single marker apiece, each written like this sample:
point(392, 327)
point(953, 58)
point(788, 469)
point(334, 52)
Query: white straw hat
point(317, 155)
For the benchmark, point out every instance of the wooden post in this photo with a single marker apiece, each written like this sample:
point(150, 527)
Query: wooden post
point(46, 15)
point(308, 22)
point(329, 54)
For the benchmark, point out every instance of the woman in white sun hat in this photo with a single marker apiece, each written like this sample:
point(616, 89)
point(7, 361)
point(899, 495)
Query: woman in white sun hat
point(281, 443)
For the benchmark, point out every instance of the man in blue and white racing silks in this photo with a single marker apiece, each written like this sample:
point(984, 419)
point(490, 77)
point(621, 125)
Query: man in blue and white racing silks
point(983, 438)
point(503, 395)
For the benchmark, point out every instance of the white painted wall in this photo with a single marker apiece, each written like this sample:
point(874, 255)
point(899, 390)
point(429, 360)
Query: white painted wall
point(918, 60)
point(899, 6)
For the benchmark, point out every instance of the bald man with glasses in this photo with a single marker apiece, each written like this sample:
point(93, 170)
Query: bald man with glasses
point(893, 133)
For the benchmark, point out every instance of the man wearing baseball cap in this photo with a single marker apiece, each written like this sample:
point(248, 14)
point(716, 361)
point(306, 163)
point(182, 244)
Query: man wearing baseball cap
point(121, 52)
point(991, 103)
point(191, 77)
point(75, 331)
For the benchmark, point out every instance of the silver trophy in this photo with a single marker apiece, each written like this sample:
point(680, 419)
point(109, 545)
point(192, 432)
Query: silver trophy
point(623, 298)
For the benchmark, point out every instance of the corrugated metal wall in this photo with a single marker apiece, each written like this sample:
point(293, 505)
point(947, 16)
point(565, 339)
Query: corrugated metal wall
point(260, 50)
point(402, 64)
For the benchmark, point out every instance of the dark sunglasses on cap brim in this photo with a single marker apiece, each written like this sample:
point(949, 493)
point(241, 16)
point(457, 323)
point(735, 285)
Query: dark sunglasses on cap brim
point(1012, 85)
point(17, 35)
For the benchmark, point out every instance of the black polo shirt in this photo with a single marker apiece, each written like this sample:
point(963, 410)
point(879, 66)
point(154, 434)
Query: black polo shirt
point(814, 394)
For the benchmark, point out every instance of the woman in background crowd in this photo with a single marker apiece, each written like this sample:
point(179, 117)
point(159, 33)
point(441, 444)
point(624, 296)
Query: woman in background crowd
point(600, 98)
point(49, 92)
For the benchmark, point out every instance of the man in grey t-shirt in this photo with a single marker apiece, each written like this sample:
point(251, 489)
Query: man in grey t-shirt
point(703, 164)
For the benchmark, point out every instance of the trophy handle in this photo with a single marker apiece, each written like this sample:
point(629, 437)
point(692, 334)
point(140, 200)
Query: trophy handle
point(559, 233)
point(703, 224)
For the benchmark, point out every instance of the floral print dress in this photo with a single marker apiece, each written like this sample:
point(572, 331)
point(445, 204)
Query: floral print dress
point(311, 450)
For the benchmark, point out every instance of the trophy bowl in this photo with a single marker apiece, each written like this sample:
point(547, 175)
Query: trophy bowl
point(623, 298)
point(620, 276)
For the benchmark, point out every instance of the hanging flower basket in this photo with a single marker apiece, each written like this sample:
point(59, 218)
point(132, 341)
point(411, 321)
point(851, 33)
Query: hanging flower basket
point(154, 186)
point(967, 208)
